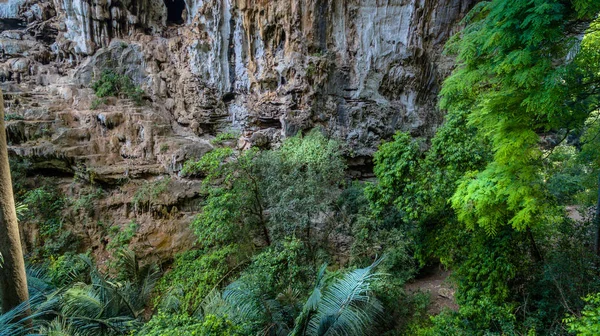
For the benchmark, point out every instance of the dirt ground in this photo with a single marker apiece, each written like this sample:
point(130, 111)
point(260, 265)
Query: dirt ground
point(435, 281)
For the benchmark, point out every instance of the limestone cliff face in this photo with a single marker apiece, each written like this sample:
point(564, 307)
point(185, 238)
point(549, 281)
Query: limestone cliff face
point(359, 69)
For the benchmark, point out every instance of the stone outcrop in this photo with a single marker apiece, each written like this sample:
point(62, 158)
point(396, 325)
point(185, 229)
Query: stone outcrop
point(358, 69)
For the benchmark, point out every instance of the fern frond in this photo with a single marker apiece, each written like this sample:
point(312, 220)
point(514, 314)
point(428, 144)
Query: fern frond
point(346, 308)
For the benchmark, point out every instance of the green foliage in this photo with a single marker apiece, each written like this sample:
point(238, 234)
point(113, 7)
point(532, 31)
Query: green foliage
point(300, 182)
point(67, 269)
point(43, 201)
point(111, 83)
point(87, 200)
point(281, 267)
point(265, 198)
point(396, 164)
point(18, 172)
point(105, 306)
point(270, 194)
point(194, 275)
point(96, 102)
point(164, 147)
point(588, 323)
point(121, 237)
point(163, 324)
point(16, 322)
point(222, 137)
point(210, 162)
point(414, 185)
point(149, 191)
point(343, 307)
point(511, 83)
point(13, 116)
point(519, 76)
point(45, 205)
point(231, 211)
point(93, 304)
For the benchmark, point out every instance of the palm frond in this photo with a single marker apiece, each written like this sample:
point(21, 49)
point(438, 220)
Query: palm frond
point(129, 265)
point(213, 304)
point(59, 327)
point(95, 309)
point(346, 308)
point(20, 320)
point(171, 300)
point(148, 279)
point(83, 300)
point(21, 210)
point(38, 281)
point(137, 290)
point(119, 325)
point(311, 305)
point(243, 300)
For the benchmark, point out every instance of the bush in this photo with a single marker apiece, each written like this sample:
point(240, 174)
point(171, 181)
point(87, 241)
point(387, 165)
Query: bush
point(221, 137)
point(588, 324)
point(120, 238)
point(13, 116)
point(194, 275)
point(45, 205)
point(163, 324)
point(111, 83)
point(67, 269)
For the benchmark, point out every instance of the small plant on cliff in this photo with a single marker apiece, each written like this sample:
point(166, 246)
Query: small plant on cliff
point(87, 199)
point(45, 211)
point(150, 191)
point(13, 116)
point(120, 237)
point(164, 148)
point(224, 136)
point(96, 102)
point(111, 83)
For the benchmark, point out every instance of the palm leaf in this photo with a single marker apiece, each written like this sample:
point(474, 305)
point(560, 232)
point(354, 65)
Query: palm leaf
point(311, 305)
point(20, 320)
point(21, 209)
point(346, 308)
point(83, 301)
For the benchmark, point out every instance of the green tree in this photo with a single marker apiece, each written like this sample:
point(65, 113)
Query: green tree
point(515, 77)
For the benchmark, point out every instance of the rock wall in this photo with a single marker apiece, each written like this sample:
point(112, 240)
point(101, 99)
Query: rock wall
point(359, 69)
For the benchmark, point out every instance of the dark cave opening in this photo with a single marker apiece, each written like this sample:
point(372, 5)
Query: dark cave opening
point(175, 11)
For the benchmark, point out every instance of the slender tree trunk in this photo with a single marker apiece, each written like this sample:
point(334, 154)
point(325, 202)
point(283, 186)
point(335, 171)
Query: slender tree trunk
point(597, 222)
point(537, 256)
point(13, 282)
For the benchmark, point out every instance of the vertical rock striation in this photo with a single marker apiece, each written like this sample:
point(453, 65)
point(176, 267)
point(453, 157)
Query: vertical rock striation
point(359, 69)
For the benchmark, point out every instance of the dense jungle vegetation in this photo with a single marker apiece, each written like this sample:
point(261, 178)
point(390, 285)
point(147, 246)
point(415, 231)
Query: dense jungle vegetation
point(506, 195)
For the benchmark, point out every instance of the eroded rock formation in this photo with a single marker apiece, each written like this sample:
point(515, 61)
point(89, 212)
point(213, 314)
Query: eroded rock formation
point(359, 69)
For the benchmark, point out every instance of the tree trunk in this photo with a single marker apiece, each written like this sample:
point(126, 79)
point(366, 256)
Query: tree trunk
point(537, 256)
point(13, 282)
point(597, 222)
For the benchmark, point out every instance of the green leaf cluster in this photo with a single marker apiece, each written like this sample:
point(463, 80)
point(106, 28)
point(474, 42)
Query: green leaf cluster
point(114, 84)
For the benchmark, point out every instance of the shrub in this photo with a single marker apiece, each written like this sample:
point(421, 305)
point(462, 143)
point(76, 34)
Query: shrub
point(194, 274)
point(120, 238)
point(13, 116)
point(96, 102)
point(221, 137)
point(67, 269)
point(45, 206)
point(111, 83)
point(163, 324)
point(150, 191)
